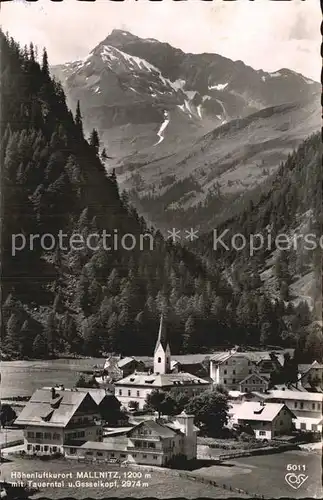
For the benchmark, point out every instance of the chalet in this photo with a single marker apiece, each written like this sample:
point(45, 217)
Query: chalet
point(151, 442)
point(53, 418)
point(311, 376)
point(138, 385)
point(267, 420)
point(254, 382)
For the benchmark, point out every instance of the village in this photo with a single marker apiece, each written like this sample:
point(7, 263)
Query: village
point(169, 414)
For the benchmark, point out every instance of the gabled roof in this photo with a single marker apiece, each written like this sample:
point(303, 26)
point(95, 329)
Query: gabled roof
point(162, 335)
point(304, 368)
point(42, 409)
point(255, 374)
point(125, 361)
point(256, 411)
point(162, 430)
point(297, 395)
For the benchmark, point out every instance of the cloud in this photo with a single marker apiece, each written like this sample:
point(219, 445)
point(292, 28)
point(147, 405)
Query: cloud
point(263, 34)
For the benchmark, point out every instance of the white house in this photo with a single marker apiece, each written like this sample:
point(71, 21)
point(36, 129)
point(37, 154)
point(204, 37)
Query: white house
point(138, 385)
point(53, 418)
point(151, 442)
point(254, 382)
point(307, 407)
point(231, 368)
point(267, 420)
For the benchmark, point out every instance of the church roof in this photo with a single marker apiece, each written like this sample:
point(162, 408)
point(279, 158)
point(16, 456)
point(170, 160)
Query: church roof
point(162, 335)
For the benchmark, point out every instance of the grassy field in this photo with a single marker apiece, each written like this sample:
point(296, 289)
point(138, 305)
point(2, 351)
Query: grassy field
point(158, 484)
point(265, 474)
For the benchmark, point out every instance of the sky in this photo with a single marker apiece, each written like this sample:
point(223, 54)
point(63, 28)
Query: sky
point(263, 34)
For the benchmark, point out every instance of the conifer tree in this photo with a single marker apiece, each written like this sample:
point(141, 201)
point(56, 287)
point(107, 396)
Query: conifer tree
point(94, 141)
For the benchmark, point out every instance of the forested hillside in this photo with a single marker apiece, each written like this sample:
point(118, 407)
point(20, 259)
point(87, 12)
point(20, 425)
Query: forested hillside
point(287, 212)
point(92, 301)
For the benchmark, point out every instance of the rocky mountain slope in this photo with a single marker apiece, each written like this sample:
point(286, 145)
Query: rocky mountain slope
point(182, 128)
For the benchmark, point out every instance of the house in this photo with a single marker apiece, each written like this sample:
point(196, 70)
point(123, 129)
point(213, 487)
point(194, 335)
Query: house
point(138, 385)
point(53, 418)
point(254, 382)
point(311, 376)
point(231, 368)
point(151, 442)
point(306, 406)
point(267, 420)
point(116, 368)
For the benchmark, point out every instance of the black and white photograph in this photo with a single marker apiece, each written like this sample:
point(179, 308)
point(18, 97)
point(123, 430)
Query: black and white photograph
point(161, 249)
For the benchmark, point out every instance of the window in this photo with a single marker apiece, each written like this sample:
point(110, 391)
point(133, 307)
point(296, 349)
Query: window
point(39, 435)
point(29, 447)
point(120, 392)
point(159, 360)
point(295, 404)
point(45, 448)
point(250, 372)
point(224, 381)
point(54, 449)
point(112, 454)
point(99, 454)
point(225, 372)
point(56, 436)
point(234, 372)
point(122, 455)
point(262, 433)
point(313, 406)
point(302, 405)
point(249, 363)
point(233, 380)
point(89, 453)
point(129, 392)
point(144, 456)
point(155, 457)
point(134, 455)
point(138, 394)
point(30, 434)
point(72, 451)
point(47, 435)
point(281, 422)
point(314, 427)
point(37, 447)
point(226, 363)
point(303, 426)
point(80, 434)
point(151, 445)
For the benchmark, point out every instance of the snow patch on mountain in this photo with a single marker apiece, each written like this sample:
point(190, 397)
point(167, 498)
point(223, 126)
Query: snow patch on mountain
point(199, 110)
point(163, 127)
point(275, 75)
point(219, 86)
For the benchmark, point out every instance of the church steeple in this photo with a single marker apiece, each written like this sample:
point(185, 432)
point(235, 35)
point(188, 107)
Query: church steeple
point(162, 354)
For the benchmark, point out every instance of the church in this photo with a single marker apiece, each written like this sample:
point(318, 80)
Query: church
point(138, 385)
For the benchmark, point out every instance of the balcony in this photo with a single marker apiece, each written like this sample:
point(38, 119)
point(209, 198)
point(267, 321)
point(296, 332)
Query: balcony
point(142, 437)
